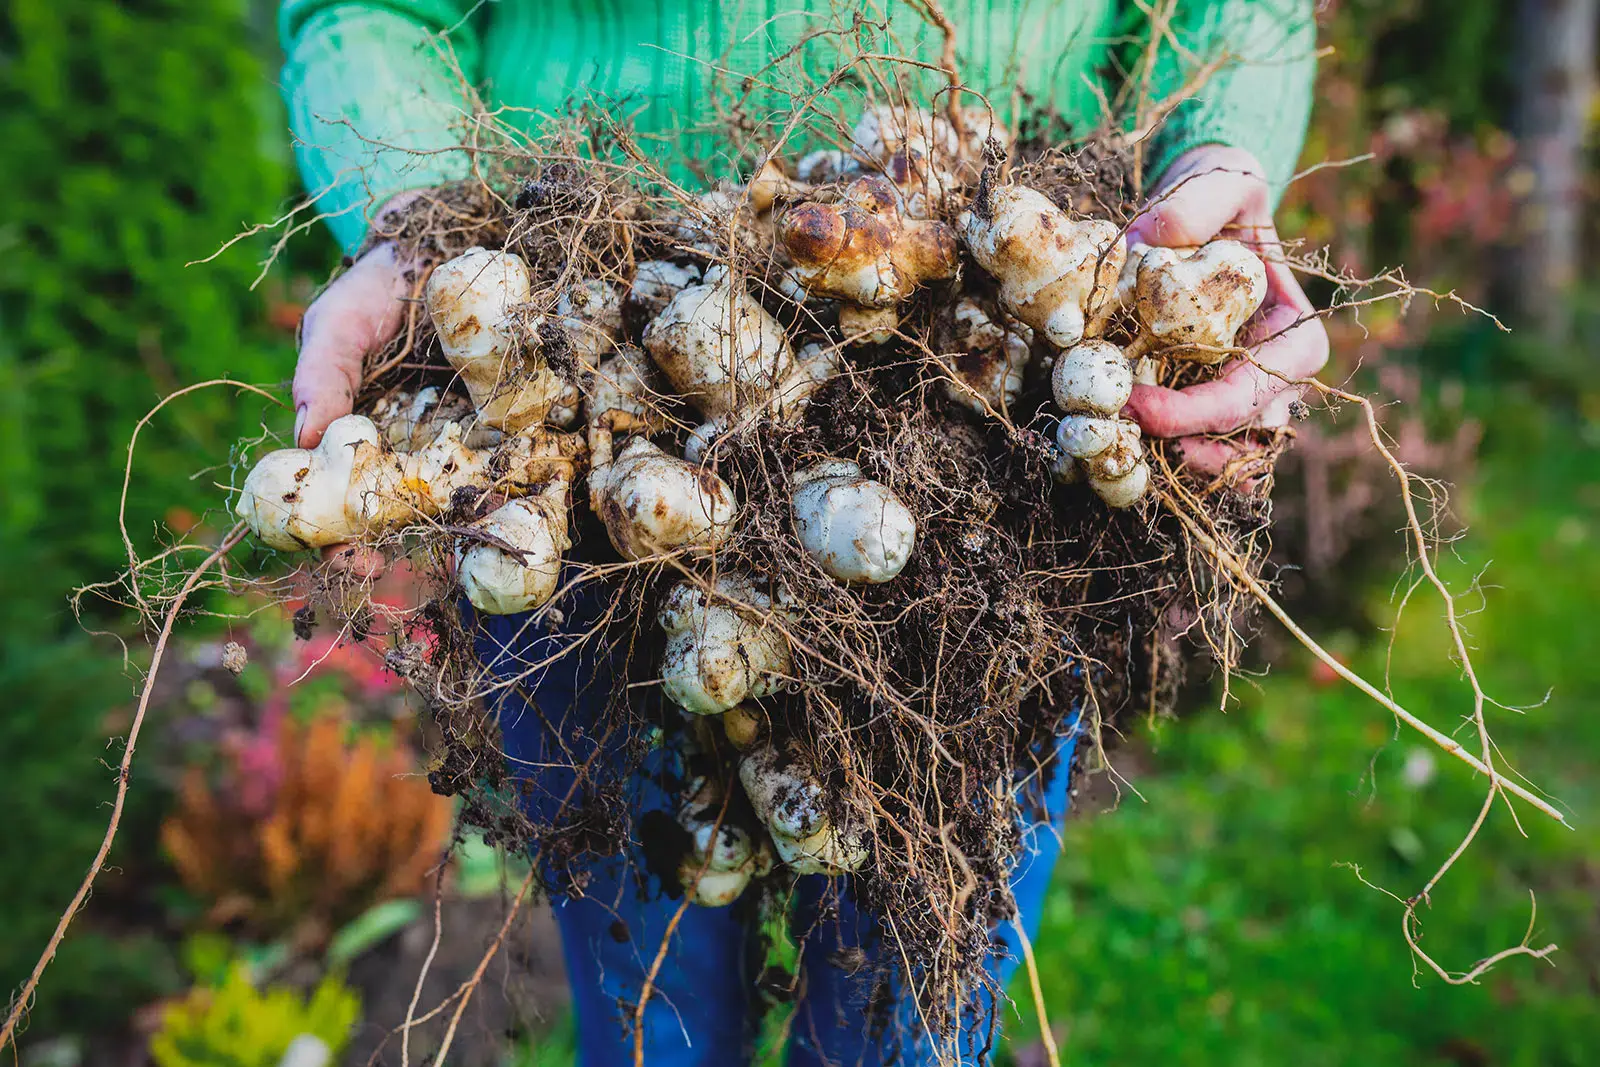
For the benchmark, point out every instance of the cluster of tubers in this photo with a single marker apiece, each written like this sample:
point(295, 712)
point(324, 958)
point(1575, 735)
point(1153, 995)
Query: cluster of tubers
point(495, 465)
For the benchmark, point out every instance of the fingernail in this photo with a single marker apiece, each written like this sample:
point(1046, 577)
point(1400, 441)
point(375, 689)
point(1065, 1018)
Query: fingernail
point(299, 422)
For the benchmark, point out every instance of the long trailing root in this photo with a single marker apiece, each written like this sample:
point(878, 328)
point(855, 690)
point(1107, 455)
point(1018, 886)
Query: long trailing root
point(1422, 546)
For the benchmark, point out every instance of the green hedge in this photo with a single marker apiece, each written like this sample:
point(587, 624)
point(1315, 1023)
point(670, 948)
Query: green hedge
point(139, 135)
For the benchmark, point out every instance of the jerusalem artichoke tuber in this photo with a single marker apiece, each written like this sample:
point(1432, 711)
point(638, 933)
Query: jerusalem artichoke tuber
point(470, 300)
point(718, 346)
point(514, 562)
point(1190, 306)
point(789, 797)
point(1051, 269)
point(720, 651)
point(653, 503)
point(349, 485)
point(1092, 378)
point(723, 856)
point(862, 248)
point(856, 529)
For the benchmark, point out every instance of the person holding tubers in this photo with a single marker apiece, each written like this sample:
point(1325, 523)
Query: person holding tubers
point(365, 73)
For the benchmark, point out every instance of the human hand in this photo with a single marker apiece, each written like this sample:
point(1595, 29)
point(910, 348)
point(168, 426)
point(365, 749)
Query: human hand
point(1212, 191)
point(354, 317)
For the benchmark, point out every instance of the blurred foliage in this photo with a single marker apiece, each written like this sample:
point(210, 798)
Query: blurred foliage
point(137, 141)
point(1424, 87)
point(308, 830)
point(138, 137)
point(236, 1025)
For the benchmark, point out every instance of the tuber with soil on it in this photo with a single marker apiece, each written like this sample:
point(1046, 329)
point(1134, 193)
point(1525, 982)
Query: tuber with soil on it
point(856, 529)
point(510, 560)
point(720, 651)
point(719, 348)
point(1191, 306)
point(650, 502)
point(350, 486)
point(723, 856)
point(812, 832)
point(470, 300)
point(1053, 272)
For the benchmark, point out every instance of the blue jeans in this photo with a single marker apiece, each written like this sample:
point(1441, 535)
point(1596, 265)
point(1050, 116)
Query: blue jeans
point(702, 1005)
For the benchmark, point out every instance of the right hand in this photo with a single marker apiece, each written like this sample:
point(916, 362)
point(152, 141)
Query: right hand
point(353, 318)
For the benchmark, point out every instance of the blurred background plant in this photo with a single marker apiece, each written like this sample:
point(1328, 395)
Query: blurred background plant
point(306, 830)
point(1205, 922)
point(234, 1024)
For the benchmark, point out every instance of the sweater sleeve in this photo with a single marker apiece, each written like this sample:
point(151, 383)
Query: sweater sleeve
point(368, 87)
point(1259, 99)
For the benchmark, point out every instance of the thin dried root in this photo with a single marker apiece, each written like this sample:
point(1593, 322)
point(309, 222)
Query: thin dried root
point(24, 997)
point(1250, 584)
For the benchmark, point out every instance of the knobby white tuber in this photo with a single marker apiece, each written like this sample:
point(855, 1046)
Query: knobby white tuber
point(514, 562)
point(349, 485)
point(792, 801)
point(991, 354)
point(649, 501)
point(856, 529)
point(722, 856)
point(1111, 454)
point(1051, 270)
point(590, 312)
point(1118, 459)
point(1190, 306)
point(719, 347)
point(720, 651)
point(300, 498)
point(652, 502)
point(1086, 436)
point(470, 300)
point(1125, 491)
point(862, 248)
point(1092, 378)
point(656, 282)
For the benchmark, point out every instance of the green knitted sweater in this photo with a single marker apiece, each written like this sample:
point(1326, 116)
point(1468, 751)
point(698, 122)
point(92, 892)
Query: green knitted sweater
point(364, 78)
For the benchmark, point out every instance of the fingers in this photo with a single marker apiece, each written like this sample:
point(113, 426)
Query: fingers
point(1238, 397)
point(325, 384)
point(1206, 190)
point(353, 317)
point(1208, 455)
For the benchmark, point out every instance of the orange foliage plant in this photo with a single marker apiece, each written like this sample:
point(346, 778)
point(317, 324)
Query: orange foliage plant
point(347, 826)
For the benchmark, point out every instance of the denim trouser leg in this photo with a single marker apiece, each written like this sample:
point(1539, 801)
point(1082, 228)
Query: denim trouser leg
point(831, 1025)
point(698, 1014)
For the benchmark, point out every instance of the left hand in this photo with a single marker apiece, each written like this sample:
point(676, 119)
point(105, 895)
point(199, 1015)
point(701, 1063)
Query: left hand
point(1206, 191)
